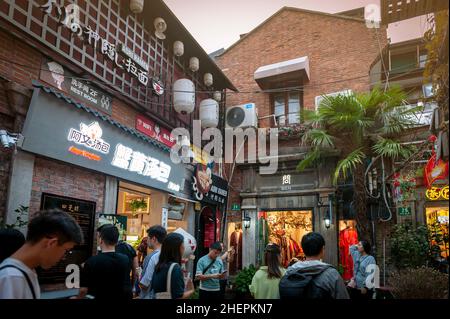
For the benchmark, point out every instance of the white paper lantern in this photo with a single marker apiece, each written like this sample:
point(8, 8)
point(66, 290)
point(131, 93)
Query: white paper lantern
point(184, 96)
point(160, 27)
point(217, 95)
point(208, 79)
point(190, 244)
point(209, 113)
point(136, 6)
point(194, 64)
point(178, 48)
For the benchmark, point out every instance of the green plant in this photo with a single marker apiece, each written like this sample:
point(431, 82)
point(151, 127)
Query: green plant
point(244, 279)
point(195, 295)
point(357, 127)
point(419, 283)
point(138, 204)
point(409, 245)
point(21, 212)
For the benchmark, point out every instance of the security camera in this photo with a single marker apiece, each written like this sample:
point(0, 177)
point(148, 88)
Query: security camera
point(7, 140)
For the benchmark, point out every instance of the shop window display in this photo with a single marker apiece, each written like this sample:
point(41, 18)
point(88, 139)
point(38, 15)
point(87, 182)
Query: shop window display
point(348, 236)
point(235, 242)
point(437, 221)
point(286, 229)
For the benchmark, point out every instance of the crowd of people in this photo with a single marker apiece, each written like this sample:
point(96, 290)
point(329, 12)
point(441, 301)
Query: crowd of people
point(117, 271)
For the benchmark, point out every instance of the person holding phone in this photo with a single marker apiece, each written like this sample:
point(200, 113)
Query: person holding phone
point(209, 272)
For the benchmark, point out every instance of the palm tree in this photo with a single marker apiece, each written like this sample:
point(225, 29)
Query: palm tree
point(359, 126)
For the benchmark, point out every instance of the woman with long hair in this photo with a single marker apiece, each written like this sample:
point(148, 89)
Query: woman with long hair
point(265, 282)
point(169, 264)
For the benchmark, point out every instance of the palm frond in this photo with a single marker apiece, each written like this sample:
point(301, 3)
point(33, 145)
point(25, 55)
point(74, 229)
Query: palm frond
point(311, 117)
point(310, 159)
point(319, 138)
point(392, 149)
point(346, 165)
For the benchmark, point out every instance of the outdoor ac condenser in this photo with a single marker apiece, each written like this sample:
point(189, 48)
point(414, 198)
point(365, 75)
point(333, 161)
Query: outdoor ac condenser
point(245, 115)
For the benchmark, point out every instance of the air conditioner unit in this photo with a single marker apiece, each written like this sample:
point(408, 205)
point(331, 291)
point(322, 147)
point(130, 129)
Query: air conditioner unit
point(245, 115)
point(319, 98)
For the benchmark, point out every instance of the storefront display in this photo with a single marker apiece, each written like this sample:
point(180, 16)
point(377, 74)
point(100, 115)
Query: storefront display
point(437, 222)
point(235, 243)
point(286, 229)
point(348, 236)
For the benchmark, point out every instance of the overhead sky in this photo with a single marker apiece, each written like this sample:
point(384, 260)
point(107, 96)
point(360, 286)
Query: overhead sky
point(217, 24)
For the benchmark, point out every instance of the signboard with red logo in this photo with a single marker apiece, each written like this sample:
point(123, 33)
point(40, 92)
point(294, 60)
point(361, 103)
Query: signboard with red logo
point(153, 130)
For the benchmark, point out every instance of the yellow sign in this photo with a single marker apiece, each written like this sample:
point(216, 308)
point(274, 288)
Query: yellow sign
point(434, 193)
point(200, 156)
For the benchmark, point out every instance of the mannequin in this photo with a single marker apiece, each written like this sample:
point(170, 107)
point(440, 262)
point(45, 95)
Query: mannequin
point(347, 237)
point(236, 245)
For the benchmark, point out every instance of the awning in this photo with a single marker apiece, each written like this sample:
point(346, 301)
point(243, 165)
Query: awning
point(283, 74)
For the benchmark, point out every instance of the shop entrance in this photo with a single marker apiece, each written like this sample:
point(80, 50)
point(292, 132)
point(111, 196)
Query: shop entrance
point(286, 229)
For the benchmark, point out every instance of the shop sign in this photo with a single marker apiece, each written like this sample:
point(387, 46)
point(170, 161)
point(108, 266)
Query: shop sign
point(437, 193)
point(165, 217)
point(54, 74)
point(69, 16)
point(154, 131)
point(89, 136)
point(404, 211)
point(209, 187)
point(79, 138)
point(435, 170)
point(84, 213)
point(158, 87)
point(235, 207)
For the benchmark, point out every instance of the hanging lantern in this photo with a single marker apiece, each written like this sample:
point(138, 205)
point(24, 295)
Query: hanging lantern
point(184, 96)
point(160, 27)
point(178, 48)
point(194, 64)
point(136, 6)
point(209, 113)
point(217, 95)
point(208, 79)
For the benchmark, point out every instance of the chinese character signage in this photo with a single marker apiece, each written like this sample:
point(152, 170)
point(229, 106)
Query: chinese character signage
point(209, 187)
point(127, 61)
point(84, 213)
point(54, 74)
point(404, 211)
point(59, 130)
point(153, 130)
point(437, 193)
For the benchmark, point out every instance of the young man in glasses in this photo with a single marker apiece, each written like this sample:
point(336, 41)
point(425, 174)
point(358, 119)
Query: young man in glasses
point(51, 234)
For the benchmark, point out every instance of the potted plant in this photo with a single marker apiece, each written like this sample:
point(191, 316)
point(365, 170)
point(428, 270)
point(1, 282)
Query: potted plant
point(137, 205)
point(20, 222)
point(243, 281)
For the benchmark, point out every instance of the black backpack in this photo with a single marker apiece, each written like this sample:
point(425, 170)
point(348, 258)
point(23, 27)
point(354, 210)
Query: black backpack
point(296, 285)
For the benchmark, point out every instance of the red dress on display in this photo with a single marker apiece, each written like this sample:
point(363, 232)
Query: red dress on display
point(347, 238)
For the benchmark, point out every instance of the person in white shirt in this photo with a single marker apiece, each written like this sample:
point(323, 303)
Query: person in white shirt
point(156, 235)
point(51, 234)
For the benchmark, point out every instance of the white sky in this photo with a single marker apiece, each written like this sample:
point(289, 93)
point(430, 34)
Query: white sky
point(217, 24)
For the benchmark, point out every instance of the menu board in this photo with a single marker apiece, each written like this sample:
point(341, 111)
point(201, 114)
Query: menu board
point(84, 213)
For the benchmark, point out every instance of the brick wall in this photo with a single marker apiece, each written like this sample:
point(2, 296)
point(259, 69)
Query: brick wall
point(65, 180)
point(338, 49)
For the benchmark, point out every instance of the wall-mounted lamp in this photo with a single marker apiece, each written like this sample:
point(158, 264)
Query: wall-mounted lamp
point(246, 220)
point(326, 204)
point(327, 220)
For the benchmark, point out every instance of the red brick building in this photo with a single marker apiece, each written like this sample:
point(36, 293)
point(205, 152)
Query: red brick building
point(284, 65)
point(93, 105)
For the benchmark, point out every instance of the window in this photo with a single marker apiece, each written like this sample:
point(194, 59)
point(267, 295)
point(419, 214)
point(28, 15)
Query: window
point(403, 62)
point(286, 108)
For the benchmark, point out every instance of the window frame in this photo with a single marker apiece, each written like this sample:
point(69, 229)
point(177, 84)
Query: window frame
point(286, 107)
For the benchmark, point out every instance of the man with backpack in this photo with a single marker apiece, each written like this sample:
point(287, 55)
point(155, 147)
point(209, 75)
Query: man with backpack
point(312, 278)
